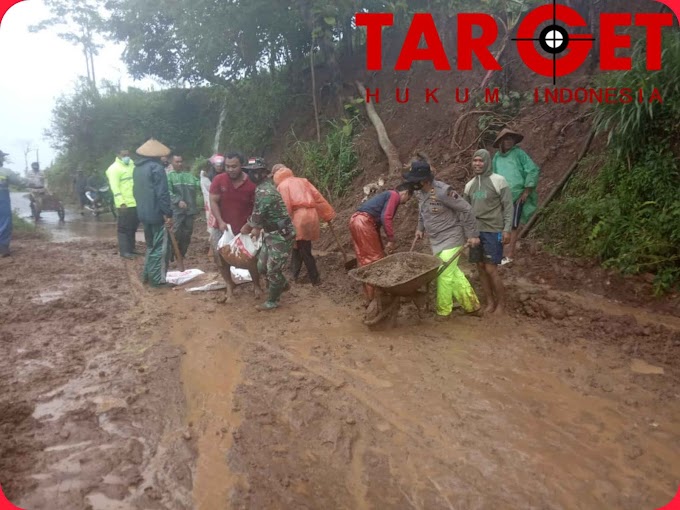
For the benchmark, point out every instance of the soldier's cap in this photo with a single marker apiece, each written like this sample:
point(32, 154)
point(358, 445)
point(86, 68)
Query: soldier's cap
point(420, 171)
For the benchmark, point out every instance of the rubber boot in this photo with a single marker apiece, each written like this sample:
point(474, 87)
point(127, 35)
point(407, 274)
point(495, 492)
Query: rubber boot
point(124, 246)
point(274, 296)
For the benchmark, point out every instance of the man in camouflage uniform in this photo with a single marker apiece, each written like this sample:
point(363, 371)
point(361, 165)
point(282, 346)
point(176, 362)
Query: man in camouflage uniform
point(270, 214)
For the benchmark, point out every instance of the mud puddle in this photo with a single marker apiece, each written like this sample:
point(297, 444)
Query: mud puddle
point(92, 398)
point(76, 227)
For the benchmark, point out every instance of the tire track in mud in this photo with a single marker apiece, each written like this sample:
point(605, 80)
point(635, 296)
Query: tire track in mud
point(211, 371)
point(464, 415)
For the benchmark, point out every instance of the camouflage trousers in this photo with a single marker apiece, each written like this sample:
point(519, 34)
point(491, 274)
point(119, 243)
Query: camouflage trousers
point(273, 259)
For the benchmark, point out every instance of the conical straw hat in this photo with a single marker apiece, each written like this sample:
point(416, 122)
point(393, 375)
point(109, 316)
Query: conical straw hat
point(153, 149)
point(508, 132)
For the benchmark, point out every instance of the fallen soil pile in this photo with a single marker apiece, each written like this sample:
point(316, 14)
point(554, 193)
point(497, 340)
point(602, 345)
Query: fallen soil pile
point(396, 269)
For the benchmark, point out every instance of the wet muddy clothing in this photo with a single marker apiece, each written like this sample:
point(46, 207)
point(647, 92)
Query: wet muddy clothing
point(270, 214)
point(153, 205)
point(306, 206)
point(157, 253)
point(128, 222)
point(383, 208)
point(446, 217)
point(183, 187)
point(121, 182)
point(7, 177)
point(521, 172)
point(453, 284)
point(365, 232)
point(236, 204)
point(491, 199)
point(151, 192)
point(302, 252)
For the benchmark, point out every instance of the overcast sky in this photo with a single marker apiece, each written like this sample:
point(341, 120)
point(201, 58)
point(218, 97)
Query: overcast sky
point(35, 70)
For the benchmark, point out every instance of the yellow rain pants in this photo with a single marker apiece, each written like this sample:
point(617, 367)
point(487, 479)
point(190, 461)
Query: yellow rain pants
point(452, 284)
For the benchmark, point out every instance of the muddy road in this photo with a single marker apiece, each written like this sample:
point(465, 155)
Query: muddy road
point(117, 396)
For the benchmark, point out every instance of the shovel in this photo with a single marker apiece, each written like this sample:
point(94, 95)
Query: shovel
point(178, 254)
point(349, 263)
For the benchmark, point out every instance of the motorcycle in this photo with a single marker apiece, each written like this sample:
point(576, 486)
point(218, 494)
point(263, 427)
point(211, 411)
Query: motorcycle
point(100, 201)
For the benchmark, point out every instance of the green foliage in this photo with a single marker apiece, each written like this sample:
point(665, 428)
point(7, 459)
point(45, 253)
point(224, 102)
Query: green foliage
point(330, 165)
point(628, 214)
point(631, 125)
point(21, 225)
point(89, 128)
point(254, 107)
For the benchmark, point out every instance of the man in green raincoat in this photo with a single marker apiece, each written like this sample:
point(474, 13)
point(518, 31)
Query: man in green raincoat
point(521, 173)
point(183, 187)
point(154, 208)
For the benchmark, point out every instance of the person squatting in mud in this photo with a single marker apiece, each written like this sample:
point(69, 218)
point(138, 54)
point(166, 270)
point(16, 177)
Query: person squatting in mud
point(448, 220)
point(491, 200)
point(183, 187)
point(306, 206)
point(365, 224)
point(521, 172)
point(271, 216)
point(154, 209)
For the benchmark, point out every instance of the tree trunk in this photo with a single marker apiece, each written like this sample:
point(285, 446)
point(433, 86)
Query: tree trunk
point(390, 150)
point(87, 63)
point(94, 77)
point(220, 127)
point(316, 106)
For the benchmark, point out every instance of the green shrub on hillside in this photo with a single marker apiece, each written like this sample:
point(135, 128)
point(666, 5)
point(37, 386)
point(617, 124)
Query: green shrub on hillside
point(330, 165)
point(628, 214)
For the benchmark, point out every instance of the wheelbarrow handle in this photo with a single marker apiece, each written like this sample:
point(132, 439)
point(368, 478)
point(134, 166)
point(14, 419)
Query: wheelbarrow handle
point(337, 240)
point(450, 261)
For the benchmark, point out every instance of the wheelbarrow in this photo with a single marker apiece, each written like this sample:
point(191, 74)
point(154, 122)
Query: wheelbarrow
point(396, 278)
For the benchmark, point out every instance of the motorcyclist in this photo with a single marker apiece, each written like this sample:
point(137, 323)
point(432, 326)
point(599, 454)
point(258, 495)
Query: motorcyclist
point(36, 179)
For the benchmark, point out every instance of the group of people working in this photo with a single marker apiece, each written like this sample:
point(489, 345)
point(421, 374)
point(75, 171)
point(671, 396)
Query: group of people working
point(486, 218)
point(159, 192)
point(246, 199)
point(286, 209)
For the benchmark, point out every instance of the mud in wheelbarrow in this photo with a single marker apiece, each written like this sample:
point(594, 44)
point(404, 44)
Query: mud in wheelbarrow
point(394, 277)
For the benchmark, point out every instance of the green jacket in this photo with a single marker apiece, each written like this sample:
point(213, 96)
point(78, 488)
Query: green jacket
point(269, 211)
point(120, 180)
point(183, 187)
point(490, 197)
point(520, 172)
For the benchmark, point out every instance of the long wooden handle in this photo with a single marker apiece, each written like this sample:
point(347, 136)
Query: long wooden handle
point(178, 254)
point(448, 262)
point(413, 245)
point(344, 255)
